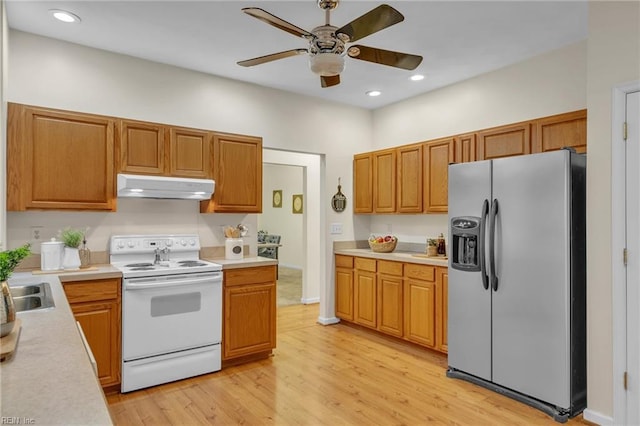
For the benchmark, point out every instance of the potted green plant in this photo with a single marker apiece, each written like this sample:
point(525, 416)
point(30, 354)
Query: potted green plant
point(432, 247)
point(71, 238)
point(9, 259)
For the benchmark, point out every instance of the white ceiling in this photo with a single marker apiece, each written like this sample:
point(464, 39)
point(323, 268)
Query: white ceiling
point(457, 39)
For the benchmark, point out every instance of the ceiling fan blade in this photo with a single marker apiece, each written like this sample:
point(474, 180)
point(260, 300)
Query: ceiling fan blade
point(373, 21)
point(385, 57)
point(273, 57)
point(273, 20)
point(329, 81)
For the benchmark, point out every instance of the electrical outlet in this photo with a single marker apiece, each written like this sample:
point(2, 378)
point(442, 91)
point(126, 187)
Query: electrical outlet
point(36, 237)
point(336, 228)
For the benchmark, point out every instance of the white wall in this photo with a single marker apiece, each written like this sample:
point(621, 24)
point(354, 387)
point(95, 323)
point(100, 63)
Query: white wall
point(613, 59)
point(281, 221)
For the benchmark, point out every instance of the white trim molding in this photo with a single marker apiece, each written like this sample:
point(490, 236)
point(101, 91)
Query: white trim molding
point(618, 238)
point(597, 418)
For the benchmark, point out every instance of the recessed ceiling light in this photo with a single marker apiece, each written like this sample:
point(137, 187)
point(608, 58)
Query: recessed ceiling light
point(373, 93)
point(416, 77)
point(64, 16)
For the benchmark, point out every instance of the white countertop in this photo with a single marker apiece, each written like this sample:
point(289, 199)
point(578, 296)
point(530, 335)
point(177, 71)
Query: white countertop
point(245, 262)
point(397, 256)
point(49, 379)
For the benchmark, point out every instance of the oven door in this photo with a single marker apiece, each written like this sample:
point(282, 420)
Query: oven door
point(170, 313)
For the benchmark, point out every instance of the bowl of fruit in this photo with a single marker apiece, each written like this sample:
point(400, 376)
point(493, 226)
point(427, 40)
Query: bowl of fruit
point(380, 244)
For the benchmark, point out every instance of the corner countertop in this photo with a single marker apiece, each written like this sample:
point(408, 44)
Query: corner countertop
point(245, 262)
point(397, 256)
point(49, 379)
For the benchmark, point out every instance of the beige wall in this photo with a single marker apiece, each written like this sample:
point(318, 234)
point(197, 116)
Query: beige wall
point(4, 40)
point(613, 58)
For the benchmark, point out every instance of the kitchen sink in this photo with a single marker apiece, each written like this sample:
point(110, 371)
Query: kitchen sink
point(32, 297)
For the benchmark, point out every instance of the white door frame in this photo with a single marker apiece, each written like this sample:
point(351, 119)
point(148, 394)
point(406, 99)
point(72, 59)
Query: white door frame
point(618, 243)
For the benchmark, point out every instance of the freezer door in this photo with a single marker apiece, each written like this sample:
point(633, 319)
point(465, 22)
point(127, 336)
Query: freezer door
point(531, 308)
point(469, 321)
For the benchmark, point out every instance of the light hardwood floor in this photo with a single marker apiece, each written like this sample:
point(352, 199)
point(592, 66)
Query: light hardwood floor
point(327, 375)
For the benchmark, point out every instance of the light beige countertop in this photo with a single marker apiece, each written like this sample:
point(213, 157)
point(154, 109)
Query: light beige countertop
point(49, 379)
point(397, 256)
point(245, 262)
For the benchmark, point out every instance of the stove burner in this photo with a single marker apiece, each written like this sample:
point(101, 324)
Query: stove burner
point(138, 265)
point(190, 263)
point(143, 268)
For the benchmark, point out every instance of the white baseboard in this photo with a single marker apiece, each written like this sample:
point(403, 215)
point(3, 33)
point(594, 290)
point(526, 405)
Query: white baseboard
point(597, 418)
point(310, 301)
point(328, 321)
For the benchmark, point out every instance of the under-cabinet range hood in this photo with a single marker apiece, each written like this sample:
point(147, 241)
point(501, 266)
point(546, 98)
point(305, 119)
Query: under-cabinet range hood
point(141, 186)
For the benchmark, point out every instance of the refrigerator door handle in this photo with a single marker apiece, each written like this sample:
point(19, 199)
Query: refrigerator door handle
point(481, 253)
point(492, 244)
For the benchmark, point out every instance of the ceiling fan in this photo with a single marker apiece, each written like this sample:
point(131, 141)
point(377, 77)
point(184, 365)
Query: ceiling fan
point(327, 43)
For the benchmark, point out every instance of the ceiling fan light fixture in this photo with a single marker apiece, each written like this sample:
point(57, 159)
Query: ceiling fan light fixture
point(326, 64)
point(64, 16)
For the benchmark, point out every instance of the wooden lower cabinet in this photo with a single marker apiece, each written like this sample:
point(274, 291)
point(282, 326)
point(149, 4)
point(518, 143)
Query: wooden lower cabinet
point(401, 299)
point(96, 306)
point(344, 287)
point(365, 293)
point(390, 290)
point(420, 304)
point(249, 324)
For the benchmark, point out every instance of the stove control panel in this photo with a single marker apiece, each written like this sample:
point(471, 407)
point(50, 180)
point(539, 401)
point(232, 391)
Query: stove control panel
point(149, 243)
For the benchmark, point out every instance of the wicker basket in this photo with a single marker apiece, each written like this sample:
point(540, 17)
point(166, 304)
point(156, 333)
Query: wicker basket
point(387, 247)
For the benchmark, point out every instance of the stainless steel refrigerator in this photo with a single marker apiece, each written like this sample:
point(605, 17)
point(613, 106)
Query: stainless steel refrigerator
point(517, 278)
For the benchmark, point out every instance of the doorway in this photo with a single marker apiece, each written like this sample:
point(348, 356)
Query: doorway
point(312, 245)
point(626, 236)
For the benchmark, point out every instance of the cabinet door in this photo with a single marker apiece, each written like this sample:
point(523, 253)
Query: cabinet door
point(384, 181)
point(465, 148)
point(420, 312)
point(344, 293)
point(237, 170)
point(100, 325)
point(363, 183)
point(409, 185)
point(562, 130)
point(96, 306)
point(59, 160)
point(438, 155)
point(189, 153)
point(365, 298)
point(442, 311)
point(249, 319)
point(141, 147)
point(504, 141)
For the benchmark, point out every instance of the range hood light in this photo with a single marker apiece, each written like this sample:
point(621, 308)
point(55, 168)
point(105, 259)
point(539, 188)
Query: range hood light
point(140, 186)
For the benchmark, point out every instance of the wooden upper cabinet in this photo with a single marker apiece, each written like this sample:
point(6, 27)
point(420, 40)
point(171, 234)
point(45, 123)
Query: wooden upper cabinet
point(437, 156)
point(384, 181)
point(189, 153)
point(363, 183)
point(59, 160)
point(504, 141)
point(237, 171)
point(465, 148)
point(562, 130)
point(409, 175)
point(141, 147)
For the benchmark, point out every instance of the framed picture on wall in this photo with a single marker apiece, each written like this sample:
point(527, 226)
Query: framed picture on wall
point(277, 198)
point(296, 203)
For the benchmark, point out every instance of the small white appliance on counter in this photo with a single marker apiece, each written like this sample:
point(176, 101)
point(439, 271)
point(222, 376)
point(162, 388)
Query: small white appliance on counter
point(233, 249)
point(171, 309)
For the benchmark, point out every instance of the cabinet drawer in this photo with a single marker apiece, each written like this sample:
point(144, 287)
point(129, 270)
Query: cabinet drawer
point(242, 276)
point(90, 291)
point(390, 268)
point(420, 272)
point(344, 261)
point(363, 264)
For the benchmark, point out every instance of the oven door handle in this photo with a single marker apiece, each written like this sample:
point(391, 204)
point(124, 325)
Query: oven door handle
point(213, 280)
